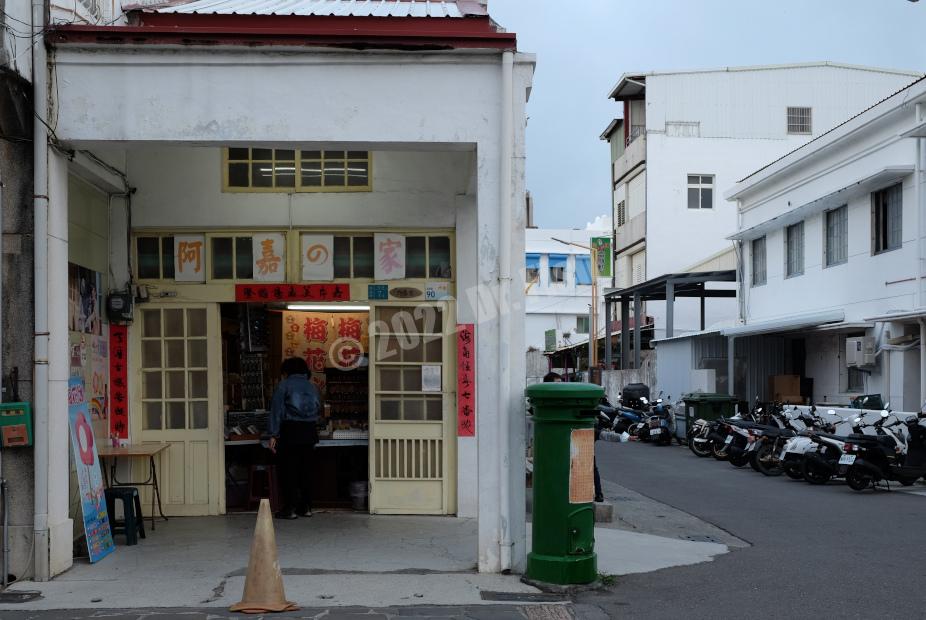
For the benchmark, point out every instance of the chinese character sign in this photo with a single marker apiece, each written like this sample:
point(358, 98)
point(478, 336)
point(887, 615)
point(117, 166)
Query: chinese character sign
point(269, 264)
point(190, 258)
point(317, 257)
point(466, 380)
point(602, 246)
point(118, 382)
point(89, 477)
point(326, 339)
point(388, 256)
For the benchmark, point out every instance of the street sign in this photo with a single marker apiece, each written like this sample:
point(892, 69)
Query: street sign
point(602, 247)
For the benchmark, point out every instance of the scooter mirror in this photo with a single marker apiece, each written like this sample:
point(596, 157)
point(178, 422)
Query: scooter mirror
point(884, 413)
point(857, 420)
point(831, 412)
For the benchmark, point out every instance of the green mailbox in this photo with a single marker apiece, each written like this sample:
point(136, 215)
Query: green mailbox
point(563, 538)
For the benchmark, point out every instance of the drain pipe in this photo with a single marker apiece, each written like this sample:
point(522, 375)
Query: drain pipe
point(40, 262)
point(918, 200)
point(504, 322)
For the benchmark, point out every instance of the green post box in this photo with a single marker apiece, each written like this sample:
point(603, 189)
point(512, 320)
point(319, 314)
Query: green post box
point(563, 538)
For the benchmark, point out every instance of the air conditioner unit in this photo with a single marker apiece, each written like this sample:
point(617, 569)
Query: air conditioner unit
point(860, 351)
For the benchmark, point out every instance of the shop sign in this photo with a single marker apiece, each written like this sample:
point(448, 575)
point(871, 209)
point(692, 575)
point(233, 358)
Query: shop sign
point(377, 291)
point(118, 382)
point(269, 250)
point(466, 380)
point(434, 291)
point(89, 478)
point(389, 256)
point(326, 339)
point(317, 257)
point(189, 258)
point(291, 292)
point(603, 261)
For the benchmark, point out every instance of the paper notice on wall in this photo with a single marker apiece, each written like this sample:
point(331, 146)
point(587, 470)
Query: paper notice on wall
point(269, 251)
point(317, 257)
point(189, 258)
point(434, 291)
point(431, 378)
point(389, 256)
point(582, 466)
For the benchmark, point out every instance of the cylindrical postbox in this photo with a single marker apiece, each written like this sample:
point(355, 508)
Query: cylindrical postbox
point(563, 538)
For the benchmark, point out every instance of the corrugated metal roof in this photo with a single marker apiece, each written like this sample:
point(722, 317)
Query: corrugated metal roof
point(322, 8)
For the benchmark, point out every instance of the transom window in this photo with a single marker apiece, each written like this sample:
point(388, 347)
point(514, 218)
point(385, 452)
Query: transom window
point(700, 191)
point(799, 121)
point(155, 257)
point(288, 170)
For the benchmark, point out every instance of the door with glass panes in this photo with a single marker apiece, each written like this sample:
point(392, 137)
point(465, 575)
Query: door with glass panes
point(412, 437)
point(177, 402)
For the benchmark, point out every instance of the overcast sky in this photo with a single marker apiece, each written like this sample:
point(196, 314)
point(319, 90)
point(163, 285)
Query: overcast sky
point(583, 46)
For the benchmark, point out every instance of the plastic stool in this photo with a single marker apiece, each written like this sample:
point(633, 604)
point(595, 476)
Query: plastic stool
point(133, 525)
point(262, 482)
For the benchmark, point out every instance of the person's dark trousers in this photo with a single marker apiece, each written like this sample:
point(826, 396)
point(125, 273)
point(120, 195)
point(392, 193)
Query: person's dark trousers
point(599, 496)
point(297, 447)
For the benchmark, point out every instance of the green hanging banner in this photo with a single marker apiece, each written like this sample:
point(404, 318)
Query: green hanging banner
point(602, 247)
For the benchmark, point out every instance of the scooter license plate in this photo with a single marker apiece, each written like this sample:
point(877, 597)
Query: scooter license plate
point(729, 439)
point(655, 431)
point(846, 459)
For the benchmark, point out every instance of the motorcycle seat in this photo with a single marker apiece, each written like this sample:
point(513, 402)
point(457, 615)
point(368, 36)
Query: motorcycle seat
point(882, 440)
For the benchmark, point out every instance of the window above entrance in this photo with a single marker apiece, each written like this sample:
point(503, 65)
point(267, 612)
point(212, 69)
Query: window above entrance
point(292, 170)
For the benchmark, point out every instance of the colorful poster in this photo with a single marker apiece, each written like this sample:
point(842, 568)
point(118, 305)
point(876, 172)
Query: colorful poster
point(317, 257)
point(602, 247)
point(466, 380)
point(327, 339)
point(291, 292)
point(89, 477)
point(388, 256)
point(85, 299)
point(269, 250)
point(189, 258)
point(118, 388)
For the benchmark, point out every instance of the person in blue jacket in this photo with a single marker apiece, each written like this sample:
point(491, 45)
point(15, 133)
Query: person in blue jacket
point(294, 412)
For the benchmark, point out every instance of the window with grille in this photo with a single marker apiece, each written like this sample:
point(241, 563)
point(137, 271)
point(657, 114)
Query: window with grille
point(700, 191)
point(887, 219)
point(621, 213)
point(758, 261)
point(292, 170)
point(794, 250)
point(799, 120)
point(837, 236)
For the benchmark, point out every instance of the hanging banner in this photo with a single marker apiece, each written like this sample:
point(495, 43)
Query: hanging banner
point(602, 247)
point(89, 477)
point(291, 292)
point(118, 382)
point(389, 256)
point(466, 380)
point(327, 339)
point(269, 250)
point(189, 258)
point(317, 257)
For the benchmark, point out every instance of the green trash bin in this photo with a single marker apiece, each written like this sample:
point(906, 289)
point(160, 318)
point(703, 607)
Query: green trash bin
point(563, 538)
point(708, 406)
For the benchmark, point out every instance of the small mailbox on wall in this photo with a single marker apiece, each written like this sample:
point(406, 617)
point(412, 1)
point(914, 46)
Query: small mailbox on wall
point(15, 425)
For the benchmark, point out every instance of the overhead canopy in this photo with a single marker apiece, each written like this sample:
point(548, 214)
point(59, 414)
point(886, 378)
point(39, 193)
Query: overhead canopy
point(901, 316)
point(532, 261)
point(583, 270)
point(557, 260)
point(791, 323)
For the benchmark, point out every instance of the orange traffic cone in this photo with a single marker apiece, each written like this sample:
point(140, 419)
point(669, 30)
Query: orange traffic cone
point(263, 586)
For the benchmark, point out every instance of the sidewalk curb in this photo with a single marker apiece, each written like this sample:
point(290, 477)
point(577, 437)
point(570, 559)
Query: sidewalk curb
point(563, 590)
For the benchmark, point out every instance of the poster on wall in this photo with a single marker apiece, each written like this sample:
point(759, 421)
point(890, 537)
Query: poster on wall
point(327, 339)
point(317, 257)
point(89, 477)
point(389, 256)
point(189, 258)
point(466, 380)
point(85, 300)
point(269, 250)
point(98, 381)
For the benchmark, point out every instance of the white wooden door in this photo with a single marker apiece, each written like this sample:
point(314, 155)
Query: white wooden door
point(178, 402)
point(412, 400)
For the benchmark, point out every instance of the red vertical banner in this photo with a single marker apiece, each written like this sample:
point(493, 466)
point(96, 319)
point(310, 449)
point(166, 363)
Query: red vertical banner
point(466, 380)
point(118, 382)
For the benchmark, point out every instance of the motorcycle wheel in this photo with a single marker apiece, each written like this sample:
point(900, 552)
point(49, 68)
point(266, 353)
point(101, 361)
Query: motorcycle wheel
point(753, 462)
point(766, 462)
point(857, 479)
point(813, 473)
point(739, 460)
point(702, 450)
point(665, 439)
point(718, 453)
point(793, 473)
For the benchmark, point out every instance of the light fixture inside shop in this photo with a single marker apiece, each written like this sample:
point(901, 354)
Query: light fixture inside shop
point(335, 307)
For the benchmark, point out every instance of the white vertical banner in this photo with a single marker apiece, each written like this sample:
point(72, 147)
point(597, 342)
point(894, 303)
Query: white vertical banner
point(190, 258)
point(317, 257)
point(269, 257)
point(389, 256)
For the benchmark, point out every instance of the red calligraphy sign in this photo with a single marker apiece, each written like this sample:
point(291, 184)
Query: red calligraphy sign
point(291, 292)
point(466, 380)
point(118, 382)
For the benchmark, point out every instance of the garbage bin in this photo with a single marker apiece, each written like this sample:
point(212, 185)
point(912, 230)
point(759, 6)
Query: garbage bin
point(708, 406)
point(563, 538)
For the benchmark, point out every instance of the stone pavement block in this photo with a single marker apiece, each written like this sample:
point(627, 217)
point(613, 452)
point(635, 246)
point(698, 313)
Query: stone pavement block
point(429, 611)
point(491, 612)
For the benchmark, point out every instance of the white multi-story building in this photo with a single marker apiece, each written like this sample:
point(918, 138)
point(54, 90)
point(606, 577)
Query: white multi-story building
point(685, 136)
point(558, 287)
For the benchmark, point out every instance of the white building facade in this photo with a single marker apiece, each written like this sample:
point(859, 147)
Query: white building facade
point(833, 240)
point(558, 287)
point(686, 136)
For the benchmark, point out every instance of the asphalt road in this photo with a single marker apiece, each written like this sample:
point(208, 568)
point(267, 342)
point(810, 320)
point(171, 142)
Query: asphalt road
point(815, 552)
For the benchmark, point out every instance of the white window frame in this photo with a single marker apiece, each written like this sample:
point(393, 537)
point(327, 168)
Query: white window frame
point(700, 186)
point(583, 319)
point(836, 236)
point(799, 120)
point(754, 280)
point(797, 253)
point(882, 215)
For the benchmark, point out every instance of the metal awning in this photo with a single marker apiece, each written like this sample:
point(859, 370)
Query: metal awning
point(792, 323)
point(883, 178)
point(901, 316)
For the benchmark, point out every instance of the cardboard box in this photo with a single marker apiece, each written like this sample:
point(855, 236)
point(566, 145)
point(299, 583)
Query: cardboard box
point(783, 385)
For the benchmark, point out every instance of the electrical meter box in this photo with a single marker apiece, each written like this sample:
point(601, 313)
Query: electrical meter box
point(15, 425)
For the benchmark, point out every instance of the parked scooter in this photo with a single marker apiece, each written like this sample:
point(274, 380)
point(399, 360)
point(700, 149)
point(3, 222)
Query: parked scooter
point(897, 455)
point(821, 463)
point(661, 423)
point(772, 448)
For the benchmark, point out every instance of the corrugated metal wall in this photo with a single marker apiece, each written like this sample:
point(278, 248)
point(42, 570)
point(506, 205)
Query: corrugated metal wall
point(757, 359)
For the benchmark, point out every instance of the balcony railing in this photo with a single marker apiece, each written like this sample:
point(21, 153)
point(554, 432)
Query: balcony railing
point(635, 132)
